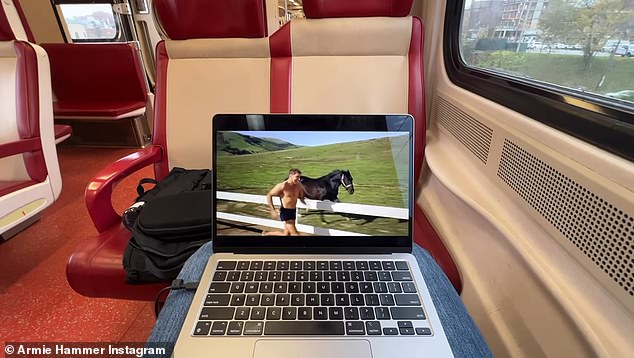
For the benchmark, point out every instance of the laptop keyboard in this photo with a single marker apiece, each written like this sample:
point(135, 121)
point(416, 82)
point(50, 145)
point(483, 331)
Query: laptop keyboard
point(332, 298)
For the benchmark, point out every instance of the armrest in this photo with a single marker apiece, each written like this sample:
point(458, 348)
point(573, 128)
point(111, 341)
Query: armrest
point(99, 190)
point(20, 146)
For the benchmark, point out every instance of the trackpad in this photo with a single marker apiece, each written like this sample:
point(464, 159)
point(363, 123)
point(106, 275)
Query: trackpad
point(315, 348)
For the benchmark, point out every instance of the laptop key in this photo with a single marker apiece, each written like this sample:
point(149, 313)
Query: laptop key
point(233, 276)
point(243, 265)
point(253, 328)
point(388, 265)
point(309, 265)
point(312, 299)
point(323, 287)
point(275, 276)
point(402, 276)
point(342, 300)
point(394, 287)
point(349, 265)
point(243, 313)
point(351, 313)
point(316, 276)
point(380, 287)
point(385, 276)
point(309, 287)
point(357, 300)
point(407, 300)
point(322, 265)
point(266, 287)
point(280, 287)
point(373, 328)
point(337, 287)
point(253, 300)
point(283, 300)
point(365, 287)
point(302, 276)
point(305, 328)
point(407, 312)
point(390, 331)
point(352, 287)
point(371, 276)
point(362, 265)
point(294, 287)
point(335, 265)
point(260, 276)
point(296, 265)
point(268, 300)
point(289, 313)
point(382, 313)
point(297, 300)
point(408, 287)
point(216, 313)
point(355, 328)
point(226, 265)
point(423, 331)
point(304, 313)
point(258, 313)
point(282, 265)
point(218, 328)
point(372, 299)
point(269, 265)
point(405, 324)
point(357, 276)
point(330, 276)
point(335, 313)
point(217, 300)
point(235, 328)
point(237, 287)
point(202, 328)
point(220, 276)
point(375, 266)
point(219, 287)
point(406, 331)
point(320, 313)
point(238, 300)
point(273, 313)
point(387, 300)
point(343, 276)
point(327, 299)
point(256, 265)
point(288, 276)
point(247, 276)
point(401, 265)
point(366, 313)
point(251, 287)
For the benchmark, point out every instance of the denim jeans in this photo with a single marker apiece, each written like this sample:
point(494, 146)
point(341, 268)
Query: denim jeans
point(462, 333)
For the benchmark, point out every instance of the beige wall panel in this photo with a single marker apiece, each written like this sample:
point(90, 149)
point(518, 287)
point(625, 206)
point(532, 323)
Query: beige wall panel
point(41, 18)
point(200, 88)
point(335, 81)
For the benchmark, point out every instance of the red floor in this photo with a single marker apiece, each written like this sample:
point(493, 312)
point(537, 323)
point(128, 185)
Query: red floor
point(36, 303)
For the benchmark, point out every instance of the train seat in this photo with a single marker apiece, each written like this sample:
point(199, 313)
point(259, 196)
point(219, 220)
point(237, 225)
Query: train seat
point(121, 93)
point(30, 179)
point(18, 29)
point(363, 56)
point(217, 61)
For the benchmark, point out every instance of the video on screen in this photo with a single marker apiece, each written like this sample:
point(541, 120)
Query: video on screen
point(312, 183)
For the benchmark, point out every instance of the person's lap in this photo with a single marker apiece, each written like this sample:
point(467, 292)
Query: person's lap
point(463, 335)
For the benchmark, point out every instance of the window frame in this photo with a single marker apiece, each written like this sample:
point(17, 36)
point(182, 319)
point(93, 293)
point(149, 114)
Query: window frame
point(606, 124)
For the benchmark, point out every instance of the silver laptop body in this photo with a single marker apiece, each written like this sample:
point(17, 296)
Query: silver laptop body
point(348, 286)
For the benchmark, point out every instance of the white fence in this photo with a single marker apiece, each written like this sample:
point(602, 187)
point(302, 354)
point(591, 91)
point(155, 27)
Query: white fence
point(368, 210)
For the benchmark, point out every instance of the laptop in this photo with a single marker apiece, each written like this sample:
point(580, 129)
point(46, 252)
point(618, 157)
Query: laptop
point(313, 237)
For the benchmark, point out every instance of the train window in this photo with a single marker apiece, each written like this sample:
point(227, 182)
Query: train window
point(90, 22)
point(583, 45)
point(551, 60)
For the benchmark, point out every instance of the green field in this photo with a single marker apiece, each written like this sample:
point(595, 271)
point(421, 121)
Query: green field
point(371, 163)
point(564, 70)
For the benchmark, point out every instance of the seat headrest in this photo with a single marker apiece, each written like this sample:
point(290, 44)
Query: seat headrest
point(316, 9)
point(196, 19)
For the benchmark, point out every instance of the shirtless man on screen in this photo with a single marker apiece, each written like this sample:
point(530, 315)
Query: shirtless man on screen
point(289, 191)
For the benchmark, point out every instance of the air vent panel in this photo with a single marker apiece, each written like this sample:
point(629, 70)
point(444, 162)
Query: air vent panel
point(470, 132)
point(603, 232)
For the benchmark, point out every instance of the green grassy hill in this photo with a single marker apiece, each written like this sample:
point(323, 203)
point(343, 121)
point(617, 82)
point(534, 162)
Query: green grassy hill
point(230, 143)
point(370, 162)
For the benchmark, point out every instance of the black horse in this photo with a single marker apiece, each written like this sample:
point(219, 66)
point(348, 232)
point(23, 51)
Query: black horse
point(327, 186)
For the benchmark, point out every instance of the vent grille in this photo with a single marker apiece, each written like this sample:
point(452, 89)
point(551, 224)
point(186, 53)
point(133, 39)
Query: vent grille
point(599, 229)
point(471, 133)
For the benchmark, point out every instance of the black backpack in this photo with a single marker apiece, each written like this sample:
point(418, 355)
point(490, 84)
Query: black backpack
point(168, 223)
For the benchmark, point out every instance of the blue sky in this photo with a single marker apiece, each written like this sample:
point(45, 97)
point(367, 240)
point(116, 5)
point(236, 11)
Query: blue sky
point(321, 138)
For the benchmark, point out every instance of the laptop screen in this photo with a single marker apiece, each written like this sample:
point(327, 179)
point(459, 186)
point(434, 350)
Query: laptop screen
point(312, 181)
